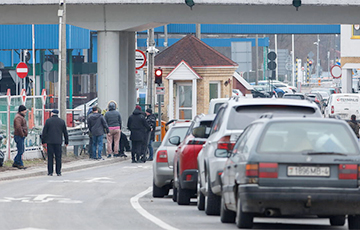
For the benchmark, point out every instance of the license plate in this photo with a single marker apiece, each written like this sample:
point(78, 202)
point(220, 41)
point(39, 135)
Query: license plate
point(308, 171)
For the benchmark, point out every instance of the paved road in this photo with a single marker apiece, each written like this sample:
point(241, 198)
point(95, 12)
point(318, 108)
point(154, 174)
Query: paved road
point(115, 196)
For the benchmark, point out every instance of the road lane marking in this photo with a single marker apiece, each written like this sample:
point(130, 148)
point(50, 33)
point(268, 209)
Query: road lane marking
point(135, 203)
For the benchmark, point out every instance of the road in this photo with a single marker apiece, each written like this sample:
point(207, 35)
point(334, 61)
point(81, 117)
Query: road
point(116, 196)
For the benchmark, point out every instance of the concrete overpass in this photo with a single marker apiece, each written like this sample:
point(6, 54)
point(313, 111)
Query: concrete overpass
point(117, 20)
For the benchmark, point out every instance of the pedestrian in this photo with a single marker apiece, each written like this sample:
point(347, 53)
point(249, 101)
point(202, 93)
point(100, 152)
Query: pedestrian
point(52, 135)
point(90, 136)
point(97, 127)
point(113, 119)
point(151, 120)
point(138, 127)
point(124, 145)
point(20, 132)
point(354, 125)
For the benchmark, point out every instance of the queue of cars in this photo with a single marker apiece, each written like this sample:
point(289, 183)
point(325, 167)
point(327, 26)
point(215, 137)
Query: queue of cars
point(259, 157)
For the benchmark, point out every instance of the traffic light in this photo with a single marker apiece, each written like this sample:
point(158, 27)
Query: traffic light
point(272, 64)
point(297, 4)
point(158, 76)
point(190, 3)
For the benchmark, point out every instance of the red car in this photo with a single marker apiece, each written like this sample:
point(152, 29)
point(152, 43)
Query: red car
point(185, 158)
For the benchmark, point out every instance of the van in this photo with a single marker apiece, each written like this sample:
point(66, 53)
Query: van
point(343, 105)
point(215, 104)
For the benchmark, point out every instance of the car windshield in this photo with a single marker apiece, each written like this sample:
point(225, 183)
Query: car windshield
point(308, 137)
point(323, 93)
point(241, 116)
point(294, 96)
point(217, 106)
point(175, 131)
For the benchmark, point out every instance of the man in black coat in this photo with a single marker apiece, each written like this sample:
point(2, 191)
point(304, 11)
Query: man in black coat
point(151, 120)
point(52, 135)
point(138, 128)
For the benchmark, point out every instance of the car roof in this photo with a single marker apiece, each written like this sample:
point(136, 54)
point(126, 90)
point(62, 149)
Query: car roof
point(180, 124)
point(270, 119)
point(208, 117)
point(295, 94)
point(271, 101)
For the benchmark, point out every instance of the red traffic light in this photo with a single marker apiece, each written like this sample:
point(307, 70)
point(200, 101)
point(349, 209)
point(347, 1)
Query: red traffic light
point(158, 76)
point(158, 72)
point(310, 62)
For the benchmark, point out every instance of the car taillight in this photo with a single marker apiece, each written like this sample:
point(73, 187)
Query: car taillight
point(268, 170)
point(332, 109)
point(252, 170)
point(317, 101)
point(196, 142)
point(348, 172)
point(162, 156)
point(225, 143)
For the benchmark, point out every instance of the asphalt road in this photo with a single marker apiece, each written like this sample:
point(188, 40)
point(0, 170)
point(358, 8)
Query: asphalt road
point(116, 196)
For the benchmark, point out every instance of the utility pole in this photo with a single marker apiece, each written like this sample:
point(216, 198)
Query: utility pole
point(317, 57)
point(151, 50)
point(257, 59)
point(62, 59)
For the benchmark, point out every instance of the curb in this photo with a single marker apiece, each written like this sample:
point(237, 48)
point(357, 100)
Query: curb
point(66, 167)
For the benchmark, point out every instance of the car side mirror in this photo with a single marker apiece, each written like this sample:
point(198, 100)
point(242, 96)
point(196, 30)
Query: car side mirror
point(199, 132)
point(175, 140)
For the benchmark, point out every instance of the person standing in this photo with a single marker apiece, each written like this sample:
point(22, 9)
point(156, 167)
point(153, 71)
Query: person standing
point(20, 132)
point(52, 135)
point(138, 128)
point(113, 120)
point(151, 120)
point(97, 126)
point(354, 125)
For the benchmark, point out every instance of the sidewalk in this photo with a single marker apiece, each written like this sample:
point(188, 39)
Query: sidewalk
point(66, 167)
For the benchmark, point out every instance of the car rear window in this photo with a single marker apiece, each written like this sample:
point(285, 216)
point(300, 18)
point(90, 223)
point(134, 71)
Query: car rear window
point(242, 116)
point(176, 131)
point(290, 96)
point(307, 136)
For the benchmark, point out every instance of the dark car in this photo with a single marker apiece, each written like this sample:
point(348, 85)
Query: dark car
point(293, 166)
point(185, 158)
point(318, 99)
point(259, 91)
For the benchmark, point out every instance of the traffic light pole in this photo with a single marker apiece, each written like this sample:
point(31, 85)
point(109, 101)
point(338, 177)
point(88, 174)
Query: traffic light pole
point(150, 71)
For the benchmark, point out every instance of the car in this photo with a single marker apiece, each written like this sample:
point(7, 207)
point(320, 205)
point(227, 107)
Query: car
point(215, 104)
point(318, 99)
point(328, 90)
point(293, 166)
point(343, 105)
point(185, 159)
point(259, 91)
point(79, 110)
point(325, 95)
point(163, 175)
point(261, 82)
point(230, 121)
point(299, 96)
point(236, 92)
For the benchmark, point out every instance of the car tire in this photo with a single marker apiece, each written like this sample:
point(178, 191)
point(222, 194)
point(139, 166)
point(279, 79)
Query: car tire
point(183, 196)
point(243, 220)
point(226, 216)
point(200, 196)
point(174, 196)
point(337, 220)
point(159, 192)
point(212, 201)
point(354, 221)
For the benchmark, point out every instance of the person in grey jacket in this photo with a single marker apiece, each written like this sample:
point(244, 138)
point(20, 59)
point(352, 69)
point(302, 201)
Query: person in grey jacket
point(97, 126)
point(113, 120)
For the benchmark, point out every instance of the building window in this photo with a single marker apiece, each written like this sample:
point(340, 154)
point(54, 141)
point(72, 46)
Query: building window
point(214, 88)
point(356, 31)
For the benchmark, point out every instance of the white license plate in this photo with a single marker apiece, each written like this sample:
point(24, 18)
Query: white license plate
point(308, 171)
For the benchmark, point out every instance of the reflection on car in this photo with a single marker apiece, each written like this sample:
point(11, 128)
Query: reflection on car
point(293, 166)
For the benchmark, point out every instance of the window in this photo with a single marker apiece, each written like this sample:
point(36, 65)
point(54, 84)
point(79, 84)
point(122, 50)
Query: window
point(356, 31)
point(214, 88)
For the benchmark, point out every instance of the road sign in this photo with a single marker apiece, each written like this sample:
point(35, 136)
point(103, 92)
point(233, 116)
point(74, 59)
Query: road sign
point(140, 59)
point(160, 90)
point(139, 78)
point(22, 70)
point(336, 71)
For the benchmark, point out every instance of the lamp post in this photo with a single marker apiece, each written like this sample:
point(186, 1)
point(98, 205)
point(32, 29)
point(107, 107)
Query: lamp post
point(317, 56)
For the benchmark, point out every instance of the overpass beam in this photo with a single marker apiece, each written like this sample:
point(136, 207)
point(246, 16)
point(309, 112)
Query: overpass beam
point(346, 80)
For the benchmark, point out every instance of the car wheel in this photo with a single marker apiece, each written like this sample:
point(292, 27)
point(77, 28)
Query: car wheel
point(243, 220)
point(337, 220)
point(174, 196)
point(354, 221)
point(226, 216)
point(159, 191)
point(212, 201)
point(200, 196)
point(183, 196)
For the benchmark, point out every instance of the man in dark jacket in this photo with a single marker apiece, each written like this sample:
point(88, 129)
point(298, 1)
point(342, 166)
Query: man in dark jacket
point(354, 125)
point(151, 120)
point(138, 128)
point(20, 132)
point(52, 135)
point(97, 125)
point(113, 120)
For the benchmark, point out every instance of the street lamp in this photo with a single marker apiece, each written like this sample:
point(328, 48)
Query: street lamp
point(317, 56)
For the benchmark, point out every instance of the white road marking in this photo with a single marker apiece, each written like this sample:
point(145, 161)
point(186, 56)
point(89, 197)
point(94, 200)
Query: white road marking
point(30, 229)
point(135, 203)
point(41, 198)
point(93, 180)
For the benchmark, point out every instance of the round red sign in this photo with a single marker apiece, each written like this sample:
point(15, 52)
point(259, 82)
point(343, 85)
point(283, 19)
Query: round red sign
point(22, 70)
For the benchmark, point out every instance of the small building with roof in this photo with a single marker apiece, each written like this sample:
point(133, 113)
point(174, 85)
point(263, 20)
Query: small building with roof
point(193, 74)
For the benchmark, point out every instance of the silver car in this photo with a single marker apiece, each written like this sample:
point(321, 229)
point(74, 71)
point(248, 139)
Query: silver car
point(293, 166)
point(163, 174)
point(229, 123)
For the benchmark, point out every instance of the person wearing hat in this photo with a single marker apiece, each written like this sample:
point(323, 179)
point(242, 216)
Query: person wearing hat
point(97, 127)
point(52, 135)
point(20, 132)
point(151, 120)
point(138, 128)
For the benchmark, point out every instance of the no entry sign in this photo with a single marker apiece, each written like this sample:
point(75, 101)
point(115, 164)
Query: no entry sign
point(140, 59)
point(22, 70)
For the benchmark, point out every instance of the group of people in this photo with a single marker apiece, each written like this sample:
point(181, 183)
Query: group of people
point(142, 133)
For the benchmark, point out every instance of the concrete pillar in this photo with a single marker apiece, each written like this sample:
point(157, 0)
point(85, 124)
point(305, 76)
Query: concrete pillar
point(123, 75)
point(108, 67)
point(346, 80)
point(131, 77)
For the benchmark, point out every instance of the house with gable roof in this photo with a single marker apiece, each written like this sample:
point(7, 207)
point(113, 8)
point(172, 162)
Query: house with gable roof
point(193, 74)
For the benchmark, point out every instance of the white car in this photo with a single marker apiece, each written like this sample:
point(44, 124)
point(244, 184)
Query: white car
point(163, 175)
point(231, 119)
point(343, 105)
point(79, 110)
